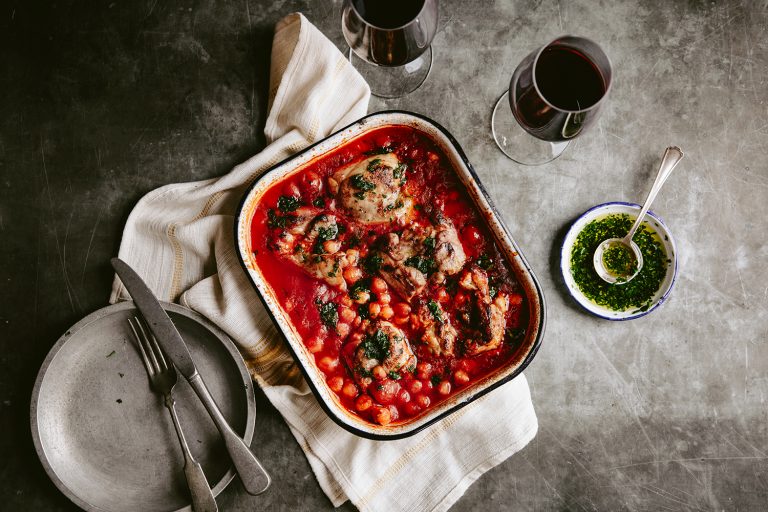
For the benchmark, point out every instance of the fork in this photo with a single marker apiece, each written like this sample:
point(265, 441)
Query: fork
point(162, 378)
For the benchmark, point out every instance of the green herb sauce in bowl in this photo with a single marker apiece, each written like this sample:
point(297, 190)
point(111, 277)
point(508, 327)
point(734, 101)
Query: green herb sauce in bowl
point(619, 301)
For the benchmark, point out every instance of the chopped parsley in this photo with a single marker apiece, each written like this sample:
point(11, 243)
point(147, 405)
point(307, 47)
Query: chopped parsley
point(394, 206)
point(354, 241)
point(394, 376)
point(492, 292)
point(424, 265)
point(276, 221)
point(325, 233)
point(485, 262)
point(376, 345)
point(373, 263)
point(319, 202)
point(399, 172)
point(373, 164)
point(360, 183)
point(329, 313)
point(380, 151)
point(429, 245)
point(434, 308)
point(288, 204)
point(435, 380)
point(363, 285)
point(359, 195)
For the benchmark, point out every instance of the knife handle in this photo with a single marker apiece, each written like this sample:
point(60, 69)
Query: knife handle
point(255, 479)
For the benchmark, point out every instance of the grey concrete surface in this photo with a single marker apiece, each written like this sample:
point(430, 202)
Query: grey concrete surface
point(101, 103)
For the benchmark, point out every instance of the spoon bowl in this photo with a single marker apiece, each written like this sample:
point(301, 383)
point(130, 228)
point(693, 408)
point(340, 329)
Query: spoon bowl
point(617, 275)
point(622, 271)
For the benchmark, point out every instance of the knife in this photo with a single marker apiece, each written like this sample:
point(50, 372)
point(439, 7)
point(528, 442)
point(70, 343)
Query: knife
point(255, 479)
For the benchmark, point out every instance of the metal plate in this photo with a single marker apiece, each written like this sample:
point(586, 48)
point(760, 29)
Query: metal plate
point(466, 174)
point(105, 438)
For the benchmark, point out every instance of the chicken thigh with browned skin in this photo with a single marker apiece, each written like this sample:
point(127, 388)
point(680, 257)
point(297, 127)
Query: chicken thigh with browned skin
point(490, 313)
point(409, 259)
point(371, 190)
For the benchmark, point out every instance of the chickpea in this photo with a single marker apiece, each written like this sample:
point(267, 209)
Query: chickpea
point(362, 297)
point(374, 308)
point(353, 255)
point(411, 408)
point(423, 401)
point(423, 370)
point(342, 330)
point(331, 246)
point(315, 344)
point(349, 390)
point(382, 415)
point(352, 274)
point(439, 277)
point(442, 296)
point(357, 322)
point(336, 383)
point(378, 285)
point(444, 388)
point(386, 313)
point(346, 301)
point(346, 315)
point(401, 320)
point(379, 373)
point(328, 364)
point(404, 396)
point(363, 403)
point(460, 377)
point(515, 299)
point(415, 386)
point(385, 298)
point(402, 309)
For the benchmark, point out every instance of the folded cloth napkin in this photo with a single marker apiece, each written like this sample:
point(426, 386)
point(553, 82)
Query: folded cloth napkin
point(179, 239)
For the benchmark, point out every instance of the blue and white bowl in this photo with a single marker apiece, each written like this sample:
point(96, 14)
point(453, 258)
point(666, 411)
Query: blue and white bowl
point(655, 223)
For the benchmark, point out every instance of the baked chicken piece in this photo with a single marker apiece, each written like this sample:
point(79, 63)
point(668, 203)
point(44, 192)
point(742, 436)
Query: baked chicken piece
point(489, 313)
point(310, 242)
point(380, 343)
point(437, 331)
point(371, 190)
point(409, 259)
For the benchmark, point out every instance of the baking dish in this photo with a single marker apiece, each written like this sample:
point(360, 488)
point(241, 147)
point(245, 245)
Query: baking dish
point(468, 178)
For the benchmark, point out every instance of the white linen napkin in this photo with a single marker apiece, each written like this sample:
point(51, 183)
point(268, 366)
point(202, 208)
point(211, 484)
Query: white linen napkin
point(179, 238)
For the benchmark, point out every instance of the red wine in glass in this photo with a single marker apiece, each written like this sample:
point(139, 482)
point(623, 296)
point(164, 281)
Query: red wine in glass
point(555, 94)
point(393, 39)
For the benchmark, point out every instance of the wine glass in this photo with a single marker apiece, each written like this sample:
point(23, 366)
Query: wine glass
point(554, 95)
point(391, 40)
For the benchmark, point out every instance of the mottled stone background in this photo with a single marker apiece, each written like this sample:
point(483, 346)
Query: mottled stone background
point(101, 103)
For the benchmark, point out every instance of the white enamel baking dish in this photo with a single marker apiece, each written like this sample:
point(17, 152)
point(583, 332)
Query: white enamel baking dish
point(507, 245)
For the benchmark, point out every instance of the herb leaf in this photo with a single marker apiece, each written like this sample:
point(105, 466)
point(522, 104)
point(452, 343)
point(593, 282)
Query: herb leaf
point(373, 263)
point(288, 204)
point(434, 308)
point(360, 183)
point(484, 261)
point(424, 265)
point(376, 345)
point(329, 313)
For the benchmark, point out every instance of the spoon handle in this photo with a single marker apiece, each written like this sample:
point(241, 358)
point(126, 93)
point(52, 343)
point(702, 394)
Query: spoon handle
point(669, 161)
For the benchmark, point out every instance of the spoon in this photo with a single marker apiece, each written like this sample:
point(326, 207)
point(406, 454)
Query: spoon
point(625, 258)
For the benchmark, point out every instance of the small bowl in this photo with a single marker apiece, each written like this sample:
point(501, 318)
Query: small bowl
point(632, 210)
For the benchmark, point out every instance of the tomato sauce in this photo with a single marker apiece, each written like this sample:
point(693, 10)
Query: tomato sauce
point(327, 317)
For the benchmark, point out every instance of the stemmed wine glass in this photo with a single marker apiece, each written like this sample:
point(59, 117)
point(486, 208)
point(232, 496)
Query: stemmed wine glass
point(555, 94)
point(390, 42)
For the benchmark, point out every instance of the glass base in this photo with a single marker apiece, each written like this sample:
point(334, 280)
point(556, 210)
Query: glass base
point(516, 143)
point(394, 82)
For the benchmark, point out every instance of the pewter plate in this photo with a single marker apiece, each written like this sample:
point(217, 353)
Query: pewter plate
point(105, 438)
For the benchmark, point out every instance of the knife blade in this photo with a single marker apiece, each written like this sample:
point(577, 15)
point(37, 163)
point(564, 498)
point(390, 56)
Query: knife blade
point(255, 479)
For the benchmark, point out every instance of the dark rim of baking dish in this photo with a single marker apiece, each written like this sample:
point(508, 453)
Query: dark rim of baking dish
point(542, 309)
